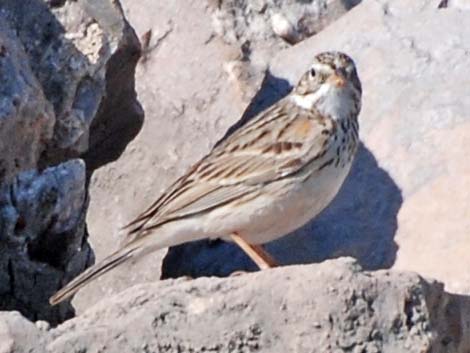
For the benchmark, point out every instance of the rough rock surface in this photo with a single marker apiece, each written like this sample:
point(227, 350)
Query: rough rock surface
point(70, 47)
point(42, 228)
point(24, 110)
point(18, 335)
point(63, 67)
point(328, 307)
point(254, 22)
point(254, 31)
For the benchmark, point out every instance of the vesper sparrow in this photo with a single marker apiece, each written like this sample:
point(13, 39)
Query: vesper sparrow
point(266, 179)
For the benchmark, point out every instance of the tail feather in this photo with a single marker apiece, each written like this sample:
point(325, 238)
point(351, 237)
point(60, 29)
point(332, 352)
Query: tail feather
point(94, 272)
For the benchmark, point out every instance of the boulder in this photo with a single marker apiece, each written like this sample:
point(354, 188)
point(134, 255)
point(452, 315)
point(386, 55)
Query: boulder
point(77, 51)
point(65, 66)
point(328, 307)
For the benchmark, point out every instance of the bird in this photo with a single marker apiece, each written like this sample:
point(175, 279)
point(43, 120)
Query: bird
point(266, 179)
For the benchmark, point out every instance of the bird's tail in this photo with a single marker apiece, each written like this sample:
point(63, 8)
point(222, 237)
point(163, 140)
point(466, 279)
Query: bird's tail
point(107, 264)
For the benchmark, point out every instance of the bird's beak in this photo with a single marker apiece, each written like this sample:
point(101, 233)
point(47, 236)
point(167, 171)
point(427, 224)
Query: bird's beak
point(337, 79)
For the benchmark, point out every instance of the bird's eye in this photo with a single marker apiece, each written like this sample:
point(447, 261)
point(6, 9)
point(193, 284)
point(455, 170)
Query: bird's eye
point(312, 72)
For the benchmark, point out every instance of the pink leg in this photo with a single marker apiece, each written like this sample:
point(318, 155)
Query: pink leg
point(259, 256)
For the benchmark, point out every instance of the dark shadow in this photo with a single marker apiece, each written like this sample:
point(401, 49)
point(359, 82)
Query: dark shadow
point(120, 116)
point(360, 222)
point(449, 317)
point(349, 4)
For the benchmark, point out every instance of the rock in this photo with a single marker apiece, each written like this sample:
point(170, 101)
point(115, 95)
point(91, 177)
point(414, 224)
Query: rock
point(259, 23)
point(73, 49)
point(44, 239)
point(284, 29)
point(18, 335)
point(328, 307)
point(26, 117)
point(256, 30)
point(67, 73)
point(120, 116)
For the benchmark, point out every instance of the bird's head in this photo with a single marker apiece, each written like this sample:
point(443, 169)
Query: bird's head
point(331, 86)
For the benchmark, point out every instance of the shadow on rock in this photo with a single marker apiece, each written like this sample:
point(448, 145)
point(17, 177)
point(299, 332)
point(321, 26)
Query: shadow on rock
point(120, 116)
point(360, 222)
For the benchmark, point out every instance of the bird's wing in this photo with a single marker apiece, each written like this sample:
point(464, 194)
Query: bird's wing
point(271, 147)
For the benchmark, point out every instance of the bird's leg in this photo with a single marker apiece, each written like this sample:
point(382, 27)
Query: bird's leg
point(259, 256)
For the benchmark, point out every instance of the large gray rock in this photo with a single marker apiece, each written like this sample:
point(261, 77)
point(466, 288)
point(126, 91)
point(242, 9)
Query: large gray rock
point(26, 116)
point(67, 88)
point(75, 49)
point(328, 307)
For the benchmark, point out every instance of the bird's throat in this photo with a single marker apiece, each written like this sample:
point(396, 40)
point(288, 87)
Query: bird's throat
point(330, 102)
